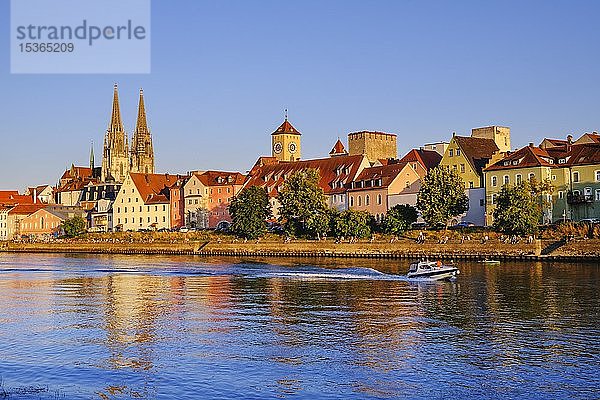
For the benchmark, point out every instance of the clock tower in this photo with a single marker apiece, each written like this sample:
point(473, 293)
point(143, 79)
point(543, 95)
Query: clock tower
point(285, 142)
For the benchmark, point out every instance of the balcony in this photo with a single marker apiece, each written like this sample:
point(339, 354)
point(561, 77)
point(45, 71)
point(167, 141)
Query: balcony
point(578, 198)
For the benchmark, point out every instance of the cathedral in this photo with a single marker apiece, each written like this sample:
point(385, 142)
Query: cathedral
point(118, 159)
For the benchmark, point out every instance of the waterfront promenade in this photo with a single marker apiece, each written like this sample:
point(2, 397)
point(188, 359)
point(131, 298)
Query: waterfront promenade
point(444, 245)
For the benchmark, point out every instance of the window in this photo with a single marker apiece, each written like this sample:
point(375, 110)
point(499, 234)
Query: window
point(462, 168)
point(588, 191)
point(518, 179)
point(367, 200)
point(481, 202)
point(531, 176)
point(379, 199)
point(561, 195)
point(164, 218)
point(140, 208)
point(359, 201)
point(553, 177)
point(505, 180)
point(494, 181)
point(471, 184)
point(164, 207)
point(494, 198)
point(125, 220)
point(575, 176)
point(407, 184)
point(351, 201)
point(455, 167)
point(451, 153)
point(457, 152)
point(597, 174)
point(597, 195)
point(125, 209)
point(118, 209)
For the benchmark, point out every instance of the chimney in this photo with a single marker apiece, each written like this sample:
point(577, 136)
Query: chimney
point(530, 144)
point(569, 139)
point(34, 195)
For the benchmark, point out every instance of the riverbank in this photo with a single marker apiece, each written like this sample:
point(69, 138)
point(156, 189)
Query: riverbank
point(275, 246)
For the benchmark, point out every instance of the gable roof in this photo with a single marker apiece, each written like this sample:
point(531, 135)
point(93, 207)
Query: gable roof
point(387, 173)
point(154, 188)
point(477, 150)
point(593, 137)
point(427, 158)
point(335, 172)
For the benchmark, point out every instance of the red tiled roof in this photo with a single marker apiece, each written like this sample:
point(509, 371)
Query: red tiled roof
point(211, 178)
point(77, 172)
point(525, 157)
point(477, 150)
point(12, 197)
point(26, 209)
point(387, 174)
point(286, 127)
point(584, 154)
point(333, 171)
point(154, 188)
point(427, 158)
point(338, 148)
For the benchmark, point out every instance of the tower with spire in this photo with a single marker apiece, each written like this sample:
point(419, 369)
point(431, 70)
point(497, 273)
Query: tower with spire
point(285, 142)
point(115, 157)
point(142, 152)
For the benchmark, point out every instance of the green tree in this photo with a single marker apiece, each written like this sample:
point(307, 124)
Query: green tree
point(249, 211)
point(518, 209)
point(399, 219)
point(303, 204)
point(74, 226)
point(351, 223)
point(442, 196)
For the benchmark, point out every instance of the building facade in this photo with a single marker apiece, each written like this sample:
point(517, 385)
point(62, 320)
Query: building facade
point(143, 202)
point(207, 195)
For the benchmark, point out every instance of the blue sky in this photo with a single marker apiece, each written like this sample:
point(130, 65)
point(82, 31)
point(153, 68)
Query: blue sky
point(224, 71)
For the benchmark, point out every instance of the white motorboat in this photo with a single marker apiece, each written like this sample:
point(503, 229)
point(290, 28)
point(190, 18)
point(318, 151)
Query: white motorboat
point(433, 270)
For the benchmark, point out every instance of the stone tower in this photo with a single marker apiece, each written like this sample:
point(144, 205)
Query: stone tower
point(375, 145)
point(499, 134)
point(142, 152)
point(285, 142)
point(115, 158)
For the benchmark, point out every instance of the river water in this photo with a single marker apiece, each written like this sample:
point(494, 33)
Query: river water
point(126, 327)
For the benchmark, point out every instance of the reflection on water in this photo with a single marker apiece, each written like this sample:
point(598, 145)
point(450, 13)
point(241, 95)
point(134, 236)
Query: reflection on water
point(187, 328)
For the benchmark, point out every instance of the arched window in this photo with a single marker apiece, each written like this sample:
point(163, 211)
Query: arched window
point(359, 201)
point(367, 200)
point(494, 181)
point(379, 199)
point(351, 201)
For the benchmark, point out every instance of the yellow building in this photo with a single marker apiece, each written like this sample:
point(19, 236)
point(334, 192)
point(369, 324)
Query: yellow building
point(528, 163)
point(573, 170)
point(144, 202)
point(468, 156)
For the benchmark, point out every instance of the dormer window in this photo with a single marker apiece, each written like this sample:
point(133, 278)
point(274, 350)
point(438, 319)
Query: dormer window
point(562, 160)
point(515, 162)
point(506, 163)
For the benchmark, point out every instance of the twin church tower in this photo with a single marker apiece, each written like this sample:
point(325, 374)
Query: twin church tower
point(118, 159)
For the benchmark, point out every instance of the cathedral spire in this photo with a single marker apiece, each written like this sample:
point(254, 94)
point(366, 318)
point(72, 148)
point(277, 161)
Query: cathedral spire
point(141, 124)
point(92, 160)
point(116, 124)
point(142, 152)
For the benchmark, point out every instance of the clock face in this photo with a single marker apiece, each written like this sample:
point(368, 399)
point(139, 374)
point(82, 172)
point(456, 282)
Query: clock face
point(277, 147)
point(292, 147)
